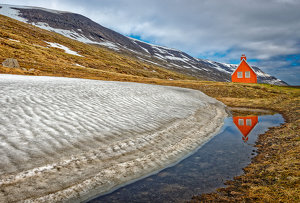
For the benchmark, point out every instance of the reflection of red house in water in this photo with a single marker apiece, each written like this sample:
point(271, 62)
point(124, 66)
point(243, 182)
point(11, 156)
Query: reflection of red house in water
point(245, 124)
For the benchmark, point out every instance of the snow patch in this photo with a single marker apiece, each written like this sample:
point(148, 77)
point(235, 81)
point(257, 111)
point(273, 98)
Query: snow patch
point(262, 74)
point(66, 49)
point(274, 81)
point(176, 58)
point(32, 7)
point(76, 64)
point(108, 44)
point(218, 67)
point(155, 46)
point(13, 40)
point(67, 33)
point(9, 11)
point(146, 50)
point(149, 61)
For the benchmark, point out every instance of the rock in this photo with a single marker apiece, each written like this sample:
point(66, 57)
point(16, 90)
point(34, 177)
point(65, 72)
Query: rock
point(11, 63)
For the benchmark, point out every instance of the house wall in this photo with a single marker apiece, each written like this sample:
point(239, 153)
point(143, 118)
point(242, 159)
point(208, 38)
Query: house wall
point(243, 67)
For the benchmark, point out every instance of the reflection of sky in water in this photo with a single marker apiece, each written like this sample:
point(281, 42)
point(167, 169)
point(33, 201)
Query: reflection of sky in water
point(222, 158)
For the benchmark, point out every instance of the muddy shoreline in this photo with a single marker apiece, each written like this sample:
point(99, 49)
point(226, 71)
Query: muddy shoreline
point(256, 173)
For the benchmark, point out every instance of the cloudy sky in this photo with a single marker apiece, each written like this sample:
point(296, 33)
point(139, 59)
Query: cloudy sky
point(267, 31)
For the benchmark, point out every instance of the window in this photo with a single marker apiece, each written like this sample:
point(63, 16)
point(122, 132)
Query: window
point(247, 74)
point(241, 121)
point(248, 122)
point(240, 74)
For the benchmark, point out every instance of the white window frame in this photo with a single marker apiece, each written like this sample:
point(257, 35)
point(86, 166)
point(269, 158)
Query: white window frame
point(241, 121)
point(248, 122)
point(247, 74)
point(239, 74)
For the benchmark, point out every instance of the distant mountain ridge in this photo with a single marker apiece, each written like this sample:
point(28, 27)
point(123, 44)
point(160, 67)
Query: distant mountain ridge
point(81, 28)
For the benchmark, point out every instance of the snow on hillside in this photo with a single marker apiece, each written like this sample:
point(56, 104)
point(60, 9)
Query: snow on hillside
point(7, 10)
point(222, 66)
point(160, 48)
point(66, 49)
point(76, 36)
point(13, 40)
point(91, 134)
point(68, 33)
point(261, 74)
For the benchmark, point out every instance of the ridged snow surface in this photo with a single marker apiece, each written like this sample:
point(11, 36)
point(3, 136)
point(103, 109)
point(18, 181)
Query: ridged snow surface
point(42, 116)
point(68, 137)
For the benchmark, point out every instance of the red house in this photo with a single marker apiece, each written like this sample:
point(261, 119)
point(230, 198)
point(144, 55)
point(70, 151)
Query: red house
point(244, 73)
point(245, 124)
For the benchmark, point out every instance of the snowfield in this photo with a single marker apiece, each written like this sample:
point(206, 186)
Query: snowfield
point(69, 139)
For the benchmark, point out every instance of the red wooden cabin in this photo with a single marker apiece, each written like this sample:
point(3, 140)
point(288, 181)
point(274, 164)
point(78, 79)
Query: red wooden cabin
point(245, 124)
point(244, 73)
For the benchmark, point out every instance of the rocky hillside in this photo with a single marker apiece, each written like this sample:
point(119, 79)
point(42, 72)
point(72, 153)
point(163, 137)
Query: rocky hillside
point(83, 29)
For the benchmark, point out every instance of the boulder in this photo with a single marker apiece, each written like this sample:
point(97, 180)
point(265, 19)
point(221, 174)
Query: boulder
point(11, 63)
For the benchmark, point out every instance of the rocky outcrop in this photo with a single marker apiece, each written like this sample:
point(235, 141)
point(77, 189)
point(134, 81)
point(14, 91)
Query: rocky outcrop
point(11, 63)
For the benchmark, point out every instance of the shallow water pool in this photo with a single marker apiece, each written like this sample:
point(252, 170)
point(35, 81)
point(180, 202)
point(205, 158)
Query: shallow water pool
point(220, 159)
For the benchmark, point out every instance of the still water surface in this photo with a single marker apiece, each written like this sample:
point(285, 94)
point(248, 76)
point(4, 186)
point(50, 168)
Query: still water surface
point(220, 159)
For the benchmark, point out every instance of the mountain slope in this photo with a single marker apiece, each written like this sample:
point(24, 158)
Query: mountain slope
point(41, 52)
point(80, 28)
